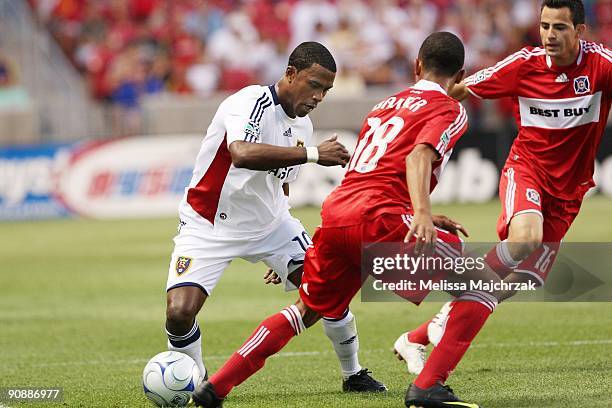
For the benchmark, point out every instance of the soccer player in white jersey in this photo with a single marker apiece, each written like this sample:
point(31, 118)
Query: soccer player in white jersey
point(562, 94)
point(236, 203)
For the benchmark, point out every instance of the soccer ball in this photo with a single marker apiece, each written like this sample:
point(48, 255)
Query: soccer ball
point(169, 378)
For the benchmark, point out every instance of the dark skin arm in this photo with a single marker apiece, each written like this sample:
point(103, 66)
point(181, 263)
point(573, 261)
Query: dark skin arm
point(261, 156)
point(418, 177)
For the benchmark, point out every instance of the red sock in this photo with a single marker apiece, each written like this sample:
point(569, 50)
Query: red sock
point(500, 260)
point(467, 316)
point(269, 338)
point(419, 335)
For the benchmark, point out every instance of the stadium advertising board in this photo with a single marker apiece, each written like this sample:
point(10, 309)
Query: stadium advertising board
point(27, 181)
point(145, 176)
point(130, 177)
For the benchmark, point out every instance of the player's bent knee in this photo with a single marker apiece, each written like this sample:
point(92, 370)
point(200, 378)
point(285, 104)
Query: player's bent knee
point(183, 304)
point(180, 314)
point(309, 316)
point(524, 240)
point(524, 245)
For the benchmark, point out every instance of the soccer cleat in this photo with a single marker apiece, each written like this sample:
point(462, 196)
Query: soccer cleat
point(363, 382)
point(205, 396)
point(436, 396)
point(435, 329)
point(412, 353)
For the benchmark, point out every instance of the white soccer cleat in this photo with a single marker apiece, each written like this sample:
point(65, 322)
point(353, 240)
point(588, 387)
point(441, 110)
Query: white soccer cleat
point(412, 353)
point(437, 326)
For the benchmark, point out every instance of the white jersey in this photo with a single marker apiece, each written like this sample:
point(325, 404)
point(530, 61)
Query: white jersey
point(242, 202)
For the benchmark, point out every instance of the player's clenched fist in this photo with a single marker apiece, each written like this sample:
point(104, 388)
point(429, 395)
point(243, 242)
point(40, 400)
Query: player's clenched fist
point(333, 153)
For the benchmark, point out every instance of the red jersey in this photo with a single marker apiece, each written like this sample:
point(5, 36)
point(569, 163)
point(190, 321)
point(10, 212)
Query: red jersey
point(561, 113)
point(375, 181)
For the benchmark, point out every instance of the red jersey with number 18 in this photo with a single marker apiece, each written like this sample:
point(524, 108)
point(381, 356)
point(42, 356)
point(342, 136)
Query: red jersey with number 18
point(375, 181)
point(561, 113)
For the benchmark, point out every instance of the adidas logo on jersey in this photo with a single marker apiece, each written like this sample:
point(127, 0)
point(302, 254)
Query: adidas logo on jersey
point(562, 78)
point(287, 133)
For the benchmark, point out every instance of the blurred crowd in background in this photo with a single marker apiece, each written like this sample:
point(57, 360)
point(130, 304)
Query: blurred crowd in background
point(128, 48)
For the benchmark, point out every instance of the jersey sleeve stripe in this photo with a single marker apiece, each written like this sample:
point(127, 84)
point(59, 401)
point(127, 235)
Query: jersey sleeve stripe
point(508, 60)
point(459, 122)
point(488, 72)
point(256, 114)
point(257, 104)
point(260, 104)
point(598, 49)
point(603, 54)
point(606, 56)
point(453, 129)
point(263, 107)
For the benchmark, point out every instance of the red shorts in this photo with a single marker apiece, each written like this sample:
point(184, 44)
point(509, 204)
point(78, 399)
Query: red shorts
point(519, 194)
point(332, 266)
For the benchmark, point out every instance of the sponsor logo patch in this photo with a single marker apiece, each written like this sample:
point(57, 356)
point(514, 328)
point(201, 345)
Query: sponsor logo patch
point(533, 196)
point(252, 129)
point(445, 138)
point(182, 264)
point(582, 85)
point(480, 76)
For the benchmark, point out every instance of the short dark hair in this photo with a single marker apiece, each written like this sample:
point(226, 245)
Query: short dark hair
point(311, 52)
point(442, 53)
point(576, 8)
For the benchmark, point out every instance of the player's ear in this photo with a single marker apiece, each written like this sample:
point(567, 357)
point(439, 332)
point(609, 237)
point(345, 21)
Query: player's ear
point(418, 68)
point(580, 29)
point(290, 73)
point(459, 76)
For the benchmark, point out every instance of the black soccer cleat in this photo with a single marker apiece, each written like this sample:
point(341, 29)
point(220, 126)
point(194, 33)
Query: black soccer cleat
point(362, 382)
point(205, 396)
point(436, 396)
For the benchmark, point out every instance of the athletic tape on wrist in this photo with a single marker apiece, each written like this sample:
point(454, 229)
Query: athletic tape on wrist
point(312, 154)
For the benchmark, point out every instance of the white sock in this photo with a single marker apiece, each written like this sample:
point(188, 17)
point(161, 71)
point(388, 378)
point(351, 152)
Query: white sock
point(343, 335)
point(190, 344)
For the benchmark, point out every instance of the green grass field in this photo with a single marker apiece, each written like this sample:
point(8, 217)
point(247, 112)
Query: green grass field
point(82, 307)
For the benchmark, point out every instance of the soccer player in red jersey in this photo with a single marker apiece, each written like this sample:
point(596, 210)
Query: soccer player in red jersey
point(405, 142)
point(562, 93)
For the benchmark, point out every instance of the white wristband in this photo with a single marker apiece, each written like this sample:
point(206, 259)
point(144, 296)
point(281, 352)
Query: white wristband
point(312, 154)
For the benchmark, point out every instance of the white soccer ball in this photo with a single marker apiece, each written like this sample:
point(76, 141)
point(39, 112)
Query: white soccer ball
point(169, 378)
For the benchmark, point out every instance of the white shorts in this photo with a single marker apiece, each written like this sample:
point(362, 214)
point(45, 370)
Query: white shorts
point(200, 256)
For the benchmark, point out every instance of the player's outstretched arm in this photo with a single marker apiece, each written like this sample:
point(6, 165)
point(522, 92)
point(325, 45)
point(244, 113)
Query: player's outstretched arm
point(418, 176)
point(261, 156)
point(459, 91)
